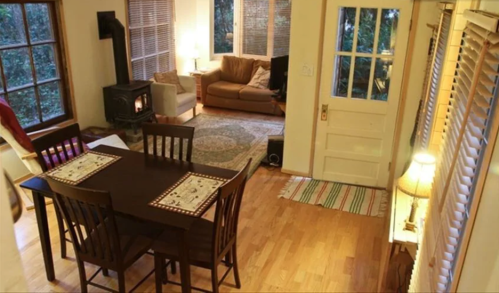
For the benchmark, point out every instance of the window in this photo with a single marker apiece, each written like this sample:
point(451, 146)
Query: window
point(151, 37)
point(433, 77)
point(32, 80)
point(263, 31)
point(223, 26)
point(364, 53)
point(471, 123)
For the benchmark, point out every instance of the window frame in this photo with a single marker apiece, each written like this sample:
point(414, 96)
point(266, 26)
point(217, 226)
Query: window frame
point(239, 32)
point(61, 58)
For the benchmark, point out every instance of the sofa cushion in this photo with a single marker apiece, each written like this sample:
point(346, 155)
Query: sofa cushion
point(260, 63)
point(236, 70)
point(253, 94)
point(225, 89)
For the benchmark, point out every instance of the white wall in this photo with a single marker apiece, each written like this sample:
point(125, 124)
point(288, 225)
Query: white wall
point(306, 21)
point(304, 49)
point(92, 62)
point(185, 34)
point(490, 6)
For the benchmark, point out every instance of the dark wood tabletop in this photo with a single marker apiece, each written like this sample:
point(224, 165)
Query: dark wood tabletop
point(134, 182)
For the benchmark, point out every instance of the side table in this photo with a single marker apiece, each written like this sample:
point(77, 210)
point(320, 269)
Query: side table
point(197, 74)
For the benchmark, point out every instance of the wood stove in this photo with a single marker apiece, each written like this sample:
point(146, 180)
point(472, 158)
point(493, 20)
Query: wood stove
point(126, 103)
point(129, 104)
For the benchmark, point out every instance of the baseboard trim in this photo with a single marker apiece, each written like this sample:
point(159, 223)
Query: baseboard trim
point(295, 173)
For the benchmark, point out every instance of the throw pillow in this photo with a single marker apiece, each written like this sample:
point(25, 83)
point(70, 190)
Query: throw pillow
point(170, 77)
point(261, 79)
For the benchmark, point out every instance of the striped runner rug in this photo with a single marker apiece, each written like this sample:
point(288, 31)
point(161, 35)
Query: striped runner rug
point(348, 198)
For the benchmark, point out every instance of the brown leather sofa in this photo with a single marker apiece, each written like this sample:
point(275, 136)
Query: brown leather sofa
point(226, 87)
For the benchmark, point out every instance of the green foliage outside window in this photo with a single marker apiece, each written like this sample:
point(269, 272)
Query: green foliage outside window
point(33, 86)
point(224, 26)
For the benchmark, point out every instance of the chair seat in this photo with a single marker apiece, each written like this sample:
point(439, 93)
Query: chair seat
point(200, 239)
point(225, 89)
point(186, 98)
point(135, 238)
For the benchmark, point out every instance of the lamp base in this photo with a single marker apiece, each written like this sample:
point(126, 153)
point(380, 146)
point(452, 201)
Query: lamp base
point(410, 226)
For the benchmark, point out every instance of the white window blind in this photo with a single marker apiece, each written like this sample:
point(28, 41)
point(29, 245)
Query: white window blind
point(151, 37)
point(458, 179)
point(281, 29)
point(432, 80)
point(255, 25)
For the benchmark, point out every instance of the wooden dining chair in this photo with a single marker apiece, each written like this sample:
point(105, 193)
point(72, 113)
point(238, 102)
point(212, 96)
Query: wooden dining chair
point(174, 133)
point(99, 237)
point(210, 243)
point(54, 149)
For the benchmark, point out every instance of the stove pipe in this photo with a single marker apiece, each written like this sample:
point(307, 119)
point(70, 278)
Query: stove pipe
point(117, 31)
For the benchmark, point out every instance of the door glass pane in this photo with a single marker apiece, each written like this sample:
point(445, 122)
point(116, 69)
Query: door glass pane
point(17, 67)
point(50, 100)
point(367, 28)
point(346, 28)
point(45, 64)
point(362, 71)
point(39, 24)
point(381, 81)
point(11, 25)
point(341, 76)
point(388, 31)
point(23, 103)
point(223, 31)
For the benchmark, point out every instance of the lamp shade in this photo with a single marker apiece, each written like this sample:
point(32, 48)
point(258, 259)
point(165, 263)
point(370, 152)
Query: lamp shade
point(418, 179)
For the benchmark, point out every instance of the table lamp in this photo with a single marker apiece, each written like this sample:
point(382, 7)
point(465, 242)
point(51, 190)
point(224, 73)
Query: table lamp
point(195, 56)
point(417, 182)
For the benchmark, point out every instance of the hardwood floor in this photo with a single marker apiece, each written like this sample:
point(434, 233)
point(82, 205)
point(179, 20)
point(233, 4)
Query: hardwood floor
point(283, 245)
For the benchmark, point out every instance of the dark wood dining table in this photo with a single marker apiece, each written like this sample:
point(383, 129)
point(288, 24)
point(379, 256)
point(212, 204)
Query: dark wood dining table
point(133, 181)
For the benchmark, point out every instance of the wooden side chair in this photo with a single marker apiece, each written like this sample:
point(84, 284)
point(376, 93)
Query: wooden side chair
point(210, 243)
point(174, 133)
point(54, 149)
point(111, 242)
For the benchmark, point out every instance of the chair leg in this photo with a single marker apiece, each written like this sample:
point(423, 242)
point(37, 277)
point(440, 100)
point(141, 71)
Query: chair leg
point(105, 272)
point(62, 233)
point(83, 277)
point(228, 259)
point(121, 281)
point(214, 278)
point(173, 266)
point(235, 268)
point(158, 271)
point(194, 111)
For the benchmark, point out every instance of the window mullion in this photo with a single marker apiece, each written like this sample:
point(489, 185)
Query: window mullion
point(354, 51)
point(270, 29)
point(375, 50)
point(32, 63)
point(4, 80)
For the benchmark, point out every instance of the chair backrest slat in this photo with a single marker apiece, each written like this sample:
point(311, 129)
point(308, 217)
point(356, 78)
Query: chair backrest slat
point(54, 146)
point(172, 132)
point(227, 211)
point(92, 210)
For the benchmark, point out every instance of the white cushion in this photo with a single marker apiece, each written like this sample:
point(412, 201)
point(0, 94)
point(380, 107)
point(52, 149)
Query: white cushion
point(185, 98)
point(112, 140)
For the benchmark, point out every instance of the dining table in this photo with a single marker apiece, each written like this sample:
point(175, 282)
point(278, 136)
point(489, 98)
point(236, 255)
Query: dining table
point(134, 181)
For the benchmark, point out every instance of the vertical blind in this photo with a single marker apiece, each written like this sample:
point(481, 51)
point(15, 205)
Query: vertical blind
point(466, 133)
point(255, 21)
point(151, 37)
point(432, 80)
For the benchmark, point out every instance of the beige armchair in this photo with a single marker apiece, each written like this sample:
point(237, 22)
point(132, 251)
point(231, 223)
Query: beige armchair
point(168, 103)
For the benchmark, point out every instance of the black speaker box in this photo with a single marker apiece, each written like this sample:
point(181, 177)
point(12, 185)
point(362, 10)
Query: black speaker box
point(275, 150)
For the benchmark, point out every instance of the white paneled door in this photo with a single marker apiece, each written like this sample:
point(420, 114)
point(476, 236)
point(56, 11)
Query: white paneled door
point(365, 46)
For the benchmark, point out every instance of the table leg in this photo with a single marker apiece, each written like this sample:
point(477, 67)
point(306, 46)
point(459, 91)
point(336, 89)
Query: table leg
point(185, 271)
point(43, 231)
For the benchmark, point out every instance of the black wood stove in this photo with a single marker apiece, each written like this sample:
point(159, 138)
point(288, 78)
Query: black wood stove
point(127, 102)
